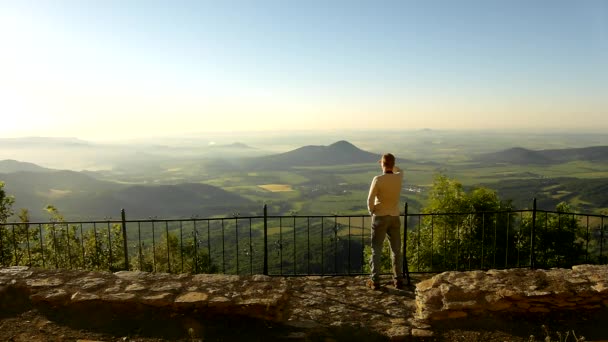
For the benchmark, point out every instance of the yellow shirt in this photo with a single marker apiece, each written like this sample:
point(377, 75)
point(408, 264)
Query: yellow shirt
point(384, 193)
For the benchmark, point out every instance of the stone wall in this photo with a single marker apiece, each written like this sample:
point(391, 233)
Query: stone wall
point(512, 293)
point(210, 306)
point(305, 308)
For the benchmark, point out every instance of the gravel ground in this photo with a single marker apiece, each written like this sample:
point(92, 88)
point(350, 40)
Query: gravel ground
point(34, 326)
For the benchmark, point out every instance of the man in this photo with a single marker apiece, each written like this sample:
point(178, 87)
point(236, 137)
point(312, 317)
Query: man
point(383, 206)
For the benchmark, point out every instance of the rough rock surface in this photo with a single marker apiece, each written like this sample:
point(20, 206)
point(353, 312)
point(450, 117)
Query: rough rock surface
point(228, 307)
point(178, 305)
point(514, 292)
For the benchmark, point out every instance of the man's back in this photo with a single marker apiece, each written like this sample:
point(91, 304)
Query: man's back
point(384, 194)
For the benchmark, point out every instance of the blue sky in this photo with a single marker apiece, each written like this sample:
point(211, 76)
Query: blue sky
point(77, 68)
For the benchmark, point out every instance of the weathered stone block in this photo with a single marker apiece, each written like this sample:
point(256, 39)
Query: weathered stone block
point(192, 297)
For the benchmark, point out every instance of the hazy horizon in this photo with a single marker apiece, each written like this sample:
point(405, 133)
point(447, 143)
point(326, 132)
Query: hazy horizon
point(119, 70)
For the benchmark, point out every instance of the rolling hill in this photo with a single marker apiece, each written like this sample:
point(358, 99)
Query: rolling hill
point(80, 196)
point(166, 201)
point(338, 153)
point(586, 194)
point(10, 165)
point(522, 156)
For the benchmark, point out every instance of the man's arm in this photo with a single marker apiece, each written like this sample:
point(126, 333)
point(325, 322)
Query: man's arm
point(371, 197)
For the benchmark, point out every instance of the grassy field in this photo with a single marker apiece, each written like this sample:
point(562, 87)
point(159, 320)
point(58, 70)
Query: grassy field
point(473, 173)
point(276, 187)
point(342, 189)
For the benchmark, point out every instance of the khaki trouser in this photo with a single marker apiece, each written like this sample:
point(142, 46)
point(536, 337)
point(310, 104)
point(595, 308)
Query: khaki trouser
point(381, 227)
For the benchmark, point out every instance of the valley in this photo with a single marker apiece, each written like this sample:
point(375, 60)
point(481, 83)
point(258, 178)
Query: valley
point(308, 180)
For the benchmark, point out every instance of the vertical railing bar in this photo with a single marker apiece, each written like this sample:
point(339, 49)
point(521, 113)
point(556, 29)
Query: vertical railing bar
point(281, 245)
point(335, 244)
point(587, 241)
point(15, 246)
point(55, 255)
point(236, 233)
point(405, 266)
point(141, 257)
point(168, 246)
point(308, 243)
point(362, 241)
point(547, 229)
point(195, 242)
point(153, 248)
point(559, 230)
point(67, 234)
point(82, 246)
point(250, 249)
point(483, 236)
point(294, 246)
point(602, 239)
point(470, 218)
point(507, 239)
point(265, 270)
point(41, 245)
point(181, 244)
point(349, 236)
point(458, 245)
point(125, 241)
point(322, 249)
point(432, 239)
point(575, 221)
point(1, 245)
point(418, 246)
point(27, 240)
point(495, 238)
point(533, 237)
point(109, 246)
point(223, 250)
point(209, 240)
point(521, 220)
point(445, 246)
point(96, 245)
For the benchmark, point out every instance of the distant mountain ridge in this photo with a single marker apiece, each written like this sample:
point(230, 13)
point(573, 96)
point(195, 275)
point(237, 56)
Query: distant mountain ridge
point(233, 145)
point(42, 141)
point(522, 156)
point(339, 153)
point(10, 165)
point(78, 195)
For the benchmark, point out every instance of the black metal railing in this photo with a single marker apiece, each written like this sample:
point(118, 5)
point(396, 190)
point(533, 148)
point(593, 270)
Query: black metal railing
point(294, 245)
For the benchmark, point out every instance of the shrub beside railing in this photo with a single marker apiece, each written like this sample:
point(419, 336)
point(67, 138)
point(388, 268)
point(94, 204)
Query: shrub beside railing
point(293, 245)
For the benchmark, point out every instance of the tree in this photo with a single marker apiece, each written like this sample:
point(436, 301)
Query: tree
point(64, 247)
point(168, 256)
point(559, 237)
point(6, 210)
point(458, 229)
point(24, 242)
point(6, 204)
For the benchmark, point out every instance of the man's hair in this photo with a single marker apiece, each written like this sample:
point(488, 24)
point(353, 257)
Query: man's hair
point(388, 160)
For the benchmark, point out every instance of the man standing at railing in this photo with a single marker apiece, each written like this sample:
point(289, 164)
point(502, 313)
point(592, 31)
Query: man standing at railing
point(383, 206)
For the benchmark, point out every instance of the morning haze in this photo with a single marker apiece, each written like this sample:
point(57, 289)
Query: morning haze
point(253, 102)
point(305, 172)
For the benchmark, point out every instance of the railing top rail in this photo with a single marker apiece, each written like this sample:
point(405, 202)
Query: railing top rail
point(35, 223)
point(570, 213)
point(137, 220)
point(320, 216)
point(472, 212)
point(259, 217)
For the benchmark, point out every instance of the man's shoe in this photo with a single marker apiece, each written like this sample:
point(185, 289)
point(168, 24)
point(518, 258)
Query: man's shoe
point(398, 283)
point(372, 284)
